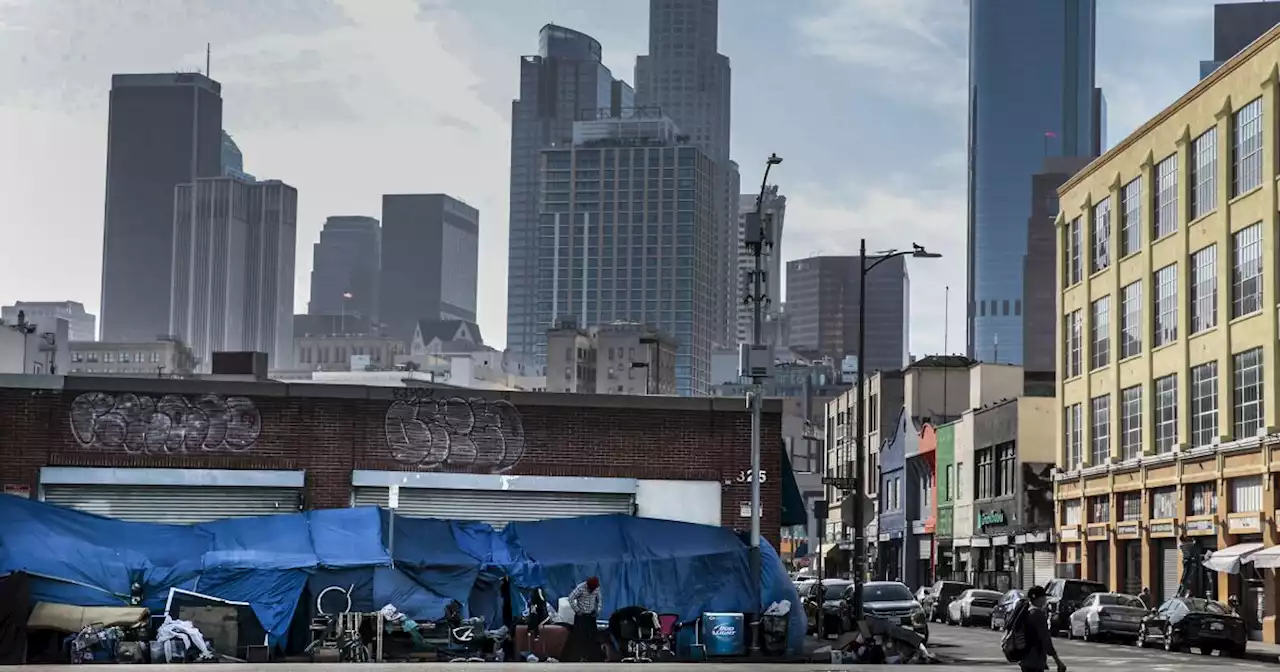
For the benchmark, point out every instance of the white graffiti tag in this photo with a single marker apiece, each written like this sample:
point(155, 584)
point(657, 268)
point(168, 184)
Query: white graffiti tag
point(137, 423)
point(456, 434)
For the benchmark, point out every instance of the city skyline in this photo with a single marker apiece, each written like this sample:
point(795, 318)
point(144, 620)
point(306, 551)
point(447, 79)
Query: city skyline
point(275, 134)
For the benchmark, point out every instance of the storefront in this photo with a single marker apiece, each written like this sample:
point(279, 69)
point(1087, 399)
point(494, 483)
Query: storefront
point(1035, 558)
point(1166, 560)
point(175, 496)
point(1129, 548)
point(1098, 553)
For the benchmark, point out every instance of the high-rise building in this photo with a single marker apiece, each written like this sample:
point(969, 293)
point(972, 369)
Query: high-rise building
point(625, 234)
point(1235, 26)
point(81, 325)
point(430, 261)
point(233, 159)
point(1031, 96)
point(345, 268)
point(162, 130)
point(775, 206)
point(822, 310)
point(563, 82)
point(233, 261)
point(686, 77)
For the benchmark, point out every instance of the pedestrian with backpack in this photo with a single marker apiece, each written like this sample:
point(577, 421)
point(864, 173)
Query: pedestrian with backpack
point(1027, 641)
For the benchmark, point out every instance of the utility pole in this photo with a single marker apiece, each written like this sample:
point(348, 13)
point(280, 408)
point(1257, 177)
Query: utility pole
point(756, 360)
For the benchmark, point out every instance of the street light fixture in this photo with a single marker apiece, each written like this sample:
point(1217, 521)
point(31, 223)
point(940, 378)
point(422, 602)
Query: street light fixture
point(859, 491)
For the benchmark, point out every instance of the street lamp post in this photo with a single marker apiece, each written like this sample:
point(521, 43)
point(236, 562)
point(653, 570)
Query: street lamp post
point(757, 240)
point(859, 543)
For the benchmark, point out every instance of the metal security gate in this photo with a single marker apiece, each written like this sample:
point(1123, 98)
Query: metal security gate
point(497, 507)
point(1041, 565)
point(1170, 564)
point(174, 504)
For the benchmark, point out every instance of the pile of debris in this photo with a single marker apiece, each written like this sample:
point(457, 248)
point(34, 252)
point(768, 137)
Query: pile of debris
point(877, 641)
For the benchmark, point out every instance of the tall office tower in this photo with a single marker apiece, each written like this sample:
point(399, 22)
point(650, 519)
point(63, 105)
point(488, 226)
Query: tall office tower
point(233, 260)
point(685, 77)
point(1235, 26)
point(430, 261)
point(1031, 96)
point(162, 130)
point(822, 310)
point(625, 225)
point(233, 159)
point(775, 205)
point(345, 267)
point(565, 81)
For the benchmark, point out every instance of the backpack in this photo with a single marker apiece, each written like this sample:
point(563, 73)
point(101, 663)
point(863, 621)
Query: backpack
point(1014, 642)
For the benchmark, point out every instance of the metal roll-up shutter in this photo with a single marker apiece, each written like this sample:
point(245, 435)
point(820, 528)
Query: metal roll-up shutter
point(498, 507)
point(1132, 582)
point(1042, 567)
point(925, 548)
point(176, 504)
point(1170, 562)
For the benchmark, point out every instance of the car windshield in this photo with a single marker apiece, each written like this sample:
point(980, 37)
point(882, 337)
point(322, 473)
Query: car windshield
point(1078, 590)
point(886, 592)
point(952, 589)
point(1208, 606)
point(1011, 597)
point(985, 595)
point(833, 591)
point(1120, 601)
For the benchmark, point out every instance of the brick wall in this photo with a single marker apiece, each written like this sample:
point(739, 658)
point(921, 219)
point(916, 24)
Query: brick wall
point(330, 430)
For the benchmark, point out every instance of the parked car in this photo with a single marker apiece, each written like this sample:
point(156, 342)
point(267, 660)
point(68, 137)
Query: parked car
point(1184, 622)
point(1065, 596)
point(940, 596)
point(923, 594)
point(972, 605)
point(1107, 615)
point(824, 605)
point(892, 601)
point(1000, 615)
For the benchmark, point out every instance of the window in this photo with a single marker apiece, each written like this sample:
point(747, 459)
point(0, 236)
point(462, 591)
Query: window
point(1071, 265)
point(1166, 203)
point(1202, 499)
point(1204, 289)
point(1100, 436)
point(1246, 494)
point(1073, 329)
point(1099, 332)
point(1246, 414)
point(986, 468)
point(1100, 509)
point(1246, 271)
point(1129, 505)
point(1246, 152)
point(1166, 305)
point(1131, 320)
point(1131, 218)
point(959, 480)
point(1166, 413)
point(951, 479)
point(1074, 426)
point(1204, 173)
point(1131, 422)
point(1007, 469)
point(1164, 503)
point(1071, 512)
point(1100, 237)
point(1204, 404)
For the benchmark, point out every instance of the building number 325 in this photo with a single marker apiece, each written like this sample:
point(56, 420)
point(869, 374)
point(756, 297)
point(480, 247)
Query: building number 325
point(745, 476)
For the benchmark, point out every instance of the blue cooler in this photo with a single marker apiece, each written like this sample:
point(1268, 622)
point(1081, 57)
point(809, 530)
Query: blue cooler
point(724, 634)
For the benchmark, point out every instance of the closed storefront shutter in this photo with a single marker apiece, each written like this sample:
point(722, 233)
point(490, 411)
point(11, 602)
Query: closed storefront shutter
point(1170, 559)
point(1042, 564)
point(497, 507)
point(174, 504)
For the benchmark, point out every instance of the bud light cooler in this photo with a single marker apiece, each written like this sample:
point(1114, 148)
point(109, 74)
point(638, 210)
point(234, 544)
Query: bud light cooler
point(723, 634)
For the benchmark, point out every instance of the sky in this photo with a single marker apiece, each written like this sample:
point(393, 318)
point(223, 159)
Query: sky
point(350, 99)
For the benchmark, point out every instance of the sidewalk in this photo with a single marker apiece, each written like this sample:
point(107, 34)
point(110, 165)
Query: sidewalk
point(1267, 653)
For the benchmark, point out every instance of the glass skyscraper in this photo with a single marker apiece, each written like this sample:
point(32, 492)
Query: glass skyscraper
point(1031, 96)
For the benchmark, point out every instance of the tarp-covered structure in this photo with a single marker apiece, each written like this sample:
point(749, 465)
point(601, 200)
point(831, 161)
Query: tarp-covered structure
point(277, 563)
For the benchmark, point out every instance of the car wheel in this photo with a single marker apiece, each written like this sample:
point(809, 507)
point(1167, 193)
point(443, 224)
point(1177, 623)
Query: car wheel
point(1169, 640)
point(1088, 633)
point(1142, 636)
point(1236, 652)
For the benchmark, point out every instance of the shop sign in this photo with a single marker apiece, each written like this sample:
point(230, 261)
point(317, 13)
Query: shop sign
point(1096, 533)
point(1161, 529)
point(991, 518)
point(17, 490)
point(1246, 523)
point(1127, 530)
point(1070, 534)
point(1200, 527)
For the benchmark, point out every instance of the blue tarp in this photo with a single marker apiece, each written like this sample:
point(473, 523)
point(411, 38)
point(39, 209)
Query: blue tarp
point(270, 562)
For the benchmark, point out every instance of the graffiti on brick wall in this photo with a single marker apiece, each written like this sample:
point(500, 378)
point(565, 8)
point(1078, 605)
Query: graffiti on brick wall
point(172, 424)
point(455, 433)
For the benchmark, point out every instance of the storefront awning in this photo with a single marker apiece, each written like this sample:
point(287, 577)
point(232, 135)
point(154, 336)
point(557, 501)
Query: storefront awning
point(1228, 559)
point(1267, 558)
point(793, 508)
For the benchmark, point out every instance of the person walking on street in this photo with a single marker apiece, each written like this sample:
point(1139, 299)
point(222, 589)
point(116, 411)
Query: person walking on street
point(584, 641)
point(1039, 643)
point(1147, 600)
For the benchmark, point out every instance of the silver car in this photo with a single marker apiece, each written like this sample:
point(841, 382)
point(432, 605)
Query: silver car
point(1107, 615)
point(972, 605)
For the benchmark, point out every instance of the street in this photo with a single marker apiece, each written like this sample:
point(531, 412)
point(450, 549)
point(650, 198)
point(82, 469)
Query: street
point(981, 646)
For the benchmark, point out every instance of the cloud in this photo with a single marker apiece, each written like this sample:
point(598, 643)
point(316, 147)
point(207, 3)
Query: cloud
point(913, 50)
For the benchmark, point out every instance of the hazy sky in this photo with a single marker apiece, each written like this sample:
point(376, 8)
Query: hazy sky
point(351, 99)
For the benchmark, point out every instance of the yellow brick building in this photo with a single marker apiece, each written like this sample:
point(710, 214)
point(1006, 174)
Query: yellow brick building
point(1167, 344)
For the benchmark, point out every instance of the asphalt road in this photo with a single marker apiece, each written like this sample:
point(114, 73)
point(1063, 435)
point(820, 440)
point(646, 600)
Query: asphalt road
point(981, 646)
